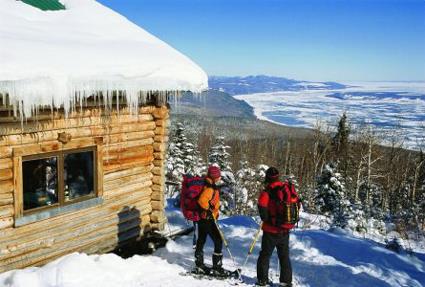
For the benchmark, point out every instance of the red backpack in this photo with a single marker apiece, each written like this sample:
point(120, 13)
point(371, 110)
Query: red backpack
point(286, 205)
point(192, 187)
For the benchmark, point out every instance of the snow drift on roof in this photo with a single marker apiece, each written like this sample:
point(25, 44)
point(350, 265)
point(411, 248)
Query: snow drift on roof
point(48, 56)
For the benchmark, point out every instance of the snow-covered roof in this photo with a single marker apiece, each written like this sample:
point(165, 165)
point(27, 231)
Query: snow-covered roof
point(48, 56)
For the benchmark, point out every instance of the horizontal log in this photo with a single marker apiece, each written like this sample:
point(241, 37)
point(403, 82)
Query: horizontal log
point(163, 131)
point(6, 174)
point(6, 201)
point(160, 113)
point(6, 186)
point(6, 211)
point(89, 127)
point(157, 196)
point(127, 180)
point(157, 205)
point(157, 216)
point(159, 147)
point(127, 172)
point(112, 135)
point(5, 152)
point(48, 123)
point(159, 163)
point(133, 152)
point(158, 171)
point(123, 147)
point(158, 188)
point(161, 139)
point(6, 222)
point(6, 163)
point(121, 164)
point(128, 136)
point(159, 155)
point(158, 180)
point(141, 188)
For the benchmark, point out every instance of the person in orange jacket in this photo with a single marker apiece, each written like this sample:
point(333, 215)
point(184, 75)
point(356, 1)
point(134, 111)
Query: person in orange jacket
point(209, 203)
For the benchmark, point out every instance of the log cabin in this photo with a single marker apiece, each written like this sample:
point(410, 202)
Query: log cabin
point(83, 128)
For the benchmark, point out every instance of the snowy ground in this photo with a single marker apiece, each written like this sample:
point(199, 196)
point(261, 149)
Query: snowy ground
point(319, 258)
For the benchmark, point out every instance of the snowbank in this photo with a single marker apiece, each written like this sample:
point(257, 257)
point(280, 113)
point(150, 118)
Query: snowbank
point(47, 56)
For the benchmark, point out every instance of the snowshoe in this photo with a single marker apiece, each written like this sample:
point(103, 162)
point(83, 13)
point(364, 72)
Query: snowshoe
point(219, 273)
point(264, 284)
point(206, 272)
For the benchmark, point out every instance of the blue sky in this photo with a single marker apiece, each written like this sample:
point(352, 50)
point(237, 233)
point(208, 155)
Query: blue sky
point(340, 40)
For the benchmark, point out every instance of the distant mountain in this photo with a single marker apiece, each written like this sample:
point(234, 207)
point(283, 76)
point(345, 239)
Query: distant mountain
point(212, 103)
point(263, 84)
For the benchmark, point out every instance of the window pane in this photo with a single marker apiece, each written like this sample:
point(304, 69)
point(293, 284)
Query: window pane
point(78, 173)
point(40, 182)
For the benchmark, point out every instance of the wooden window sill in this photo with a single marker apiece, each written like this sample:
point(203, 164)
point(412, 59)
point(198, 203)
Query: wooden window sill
point(52, 212)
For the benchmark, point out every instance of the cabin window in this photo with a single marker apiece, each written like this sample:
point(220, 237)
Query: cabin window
point(78, 175)
point(40, 182)
point(57, 179)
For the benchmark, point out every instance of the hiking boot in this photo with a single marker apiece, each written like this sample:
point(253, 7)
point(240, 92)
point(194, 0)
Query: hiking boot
point(199, 259)
point(217, 260)
point(281, 284)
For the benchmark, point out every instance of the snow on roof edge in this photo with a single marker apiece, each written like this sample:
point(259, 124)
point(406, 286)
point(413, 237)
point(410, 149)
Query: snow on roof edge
point(75, 51)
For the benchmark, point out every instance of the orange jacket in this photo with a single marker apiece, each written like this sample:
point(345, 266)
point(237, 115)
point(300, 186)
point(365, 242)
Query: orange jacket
point(209, 200)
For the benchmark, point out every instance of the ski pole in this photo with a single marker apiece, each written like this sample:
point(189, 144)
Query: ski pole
point(226, 245)
point(251, 247)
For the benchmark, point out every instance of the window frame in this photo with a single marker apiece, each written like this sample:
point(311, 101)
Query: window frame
point(59, 150)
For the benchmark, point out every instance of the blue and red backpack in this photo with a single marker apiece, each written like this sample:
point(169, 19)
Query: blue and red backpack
point(192, 187)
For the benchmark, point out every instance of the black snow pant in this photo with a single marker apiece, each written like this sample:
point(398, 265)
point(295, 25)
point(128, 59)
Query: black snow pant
point(208, 227)
point(268, 243)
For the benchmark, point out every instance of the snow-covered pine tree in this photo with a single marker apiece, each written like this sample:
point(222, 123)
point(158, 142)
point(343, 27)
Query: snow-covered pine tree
point(260, 177)
point(182, 158)
point(219, 156)
point(330, 196)
point(244, 189)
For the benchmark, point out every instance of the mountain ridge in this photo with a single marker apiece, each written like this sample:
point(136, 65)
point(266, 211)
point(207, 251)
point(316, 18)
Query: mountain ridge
point(238, 85)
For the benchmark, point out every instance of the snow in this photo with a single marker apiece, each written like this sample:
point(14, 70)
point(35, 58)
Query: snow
point(48, 56)
point(319, 258)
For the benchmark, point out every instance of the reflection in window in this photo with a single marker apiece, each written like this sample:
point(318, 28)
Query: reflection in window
point(40, 182)
point(78, 174)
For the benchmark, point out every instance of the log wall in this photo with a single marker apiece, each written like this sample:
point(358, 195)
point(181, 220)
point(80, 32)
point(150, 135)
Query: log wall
point(133, 153)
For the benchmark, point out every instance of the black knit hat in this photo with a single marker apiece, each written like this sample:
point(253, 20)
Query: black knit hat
point(272, 174)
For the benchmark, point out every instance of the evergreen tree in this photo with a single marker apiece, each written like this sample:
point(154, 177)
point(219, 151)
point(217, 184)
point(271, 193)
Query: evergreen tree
point(340, 143)
point(182, 158)
point(245, 189)
point(330, 196)
point(218, 155)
